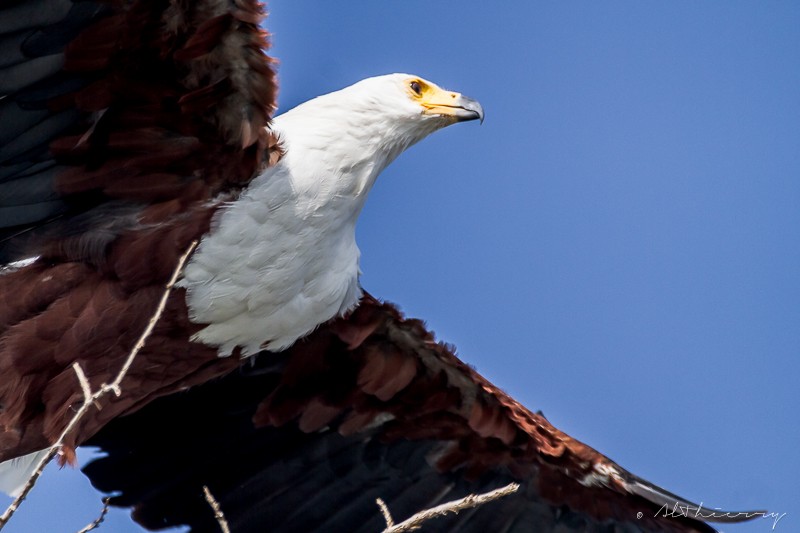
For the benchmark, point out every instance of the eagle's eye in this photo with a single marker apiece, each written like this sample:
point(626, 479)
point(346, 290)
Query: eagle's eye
point(416, 87)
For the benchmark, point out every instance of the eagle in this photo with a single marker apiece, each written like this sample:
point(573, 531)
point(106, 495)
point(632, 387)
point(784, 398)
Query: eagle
point(134, 131)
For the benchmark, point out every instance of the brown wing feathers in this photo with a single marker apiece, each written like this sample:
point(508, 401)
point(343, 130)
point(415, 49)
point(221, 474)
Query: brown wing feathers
point(154, 103)
point(168, 104)
point(397, 417)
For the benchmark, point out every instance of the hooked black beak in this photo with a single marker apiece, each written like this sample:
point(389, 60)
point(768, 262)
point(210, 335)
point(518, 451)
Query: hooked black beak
point(468, 109)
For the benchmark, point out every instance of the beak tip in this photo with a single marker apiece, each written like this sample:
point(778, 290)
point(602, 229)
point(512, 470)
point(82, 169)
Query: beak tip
point(476, 108)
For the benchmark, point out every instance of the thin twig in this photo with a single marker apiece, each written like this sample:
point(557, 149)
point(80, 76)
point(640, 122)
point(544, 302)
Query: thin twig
point(90, 398)
point(386, 514)
point(99, 519)
point(54, 449)
point(473, 500)
point(114, 385)
point(218, 514)
point(83, 380)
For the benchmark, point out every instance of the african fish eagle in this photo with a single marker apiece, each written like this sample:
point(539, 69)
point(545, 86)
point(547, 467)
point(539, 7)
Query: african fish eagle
point(134, 128)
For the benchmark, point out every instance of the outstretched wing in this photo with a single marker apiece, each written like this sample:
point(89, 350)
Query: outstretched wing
point(124, 125)
point(308, 439)
point(118, 114)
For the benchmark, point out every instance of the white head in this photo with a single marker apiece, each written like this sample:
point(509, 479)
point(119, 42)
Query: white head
point(405, 104)
point(362, 128)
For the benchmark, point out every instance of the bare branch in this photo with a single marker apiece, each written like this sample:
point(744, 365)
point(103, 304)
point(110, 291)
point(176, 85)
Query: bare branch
point(55, 448)
point(218, 514)
point(90, 398)
point(114, 385)
point(473, 500)
point(386, 514)
point(99, 519)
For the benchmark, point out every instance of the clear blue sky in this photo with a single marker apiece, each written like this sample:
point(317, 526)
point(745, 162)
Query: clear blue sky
point(617, 245)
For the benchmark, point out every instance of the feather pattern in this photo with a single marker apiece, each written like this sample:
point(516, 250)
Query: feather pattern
point(322, 429)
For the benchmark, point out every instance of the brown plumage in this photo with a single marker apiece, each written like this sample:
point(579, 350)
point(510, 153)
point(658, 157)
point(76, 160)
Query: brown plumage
point(397, 388)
